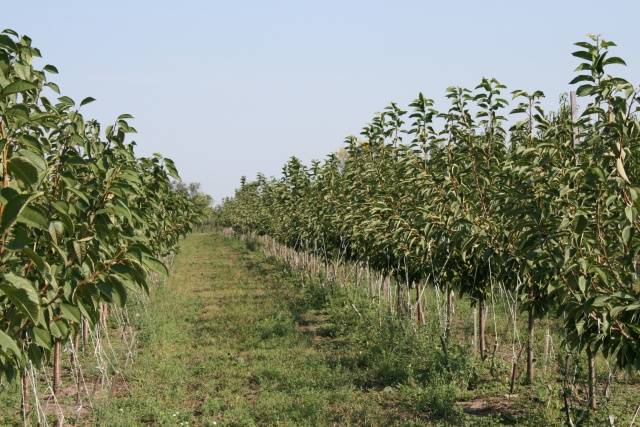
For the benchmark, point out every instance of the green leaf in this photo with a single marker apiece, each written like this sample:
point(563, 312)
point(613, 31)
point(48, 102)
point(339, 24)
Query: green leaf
point(581, 223)
point(583, 55)
point(581, 78)
point(22, 294)
point(614, 60)
point(23, 170)
point(7, 42)
point(580, 327)
point(626, 234)
point(8, 344)
point(70, 312)
point(585, 90)
point(67, 101)
point(630, 213)
point(171, 168)
point(621, 171)
point(14, 208)
point(156, 265)
point(43, 337)
point(33, 217)
point(19, 241)
point(50, 69)
point(582, 284)
point(17, 86)
point(54, 87)
point(87, 100)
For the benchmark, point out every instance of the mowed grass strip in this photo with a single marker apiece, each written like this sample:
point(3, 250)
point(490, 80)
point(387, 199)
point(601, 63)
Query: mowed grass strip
point(221, 346)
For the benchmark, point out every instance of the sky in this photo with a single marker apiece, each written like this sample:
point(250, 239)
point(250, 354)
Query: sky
point(232, 88)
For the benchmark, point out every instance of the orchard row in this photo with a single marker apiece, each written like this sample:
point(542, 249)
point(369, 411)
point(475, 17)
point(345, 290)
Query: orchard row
point(83, 220)
point(461, 199)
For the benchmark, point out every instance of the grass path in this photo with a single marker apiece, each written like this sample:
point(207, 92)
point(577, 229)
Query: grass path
point(221, 346)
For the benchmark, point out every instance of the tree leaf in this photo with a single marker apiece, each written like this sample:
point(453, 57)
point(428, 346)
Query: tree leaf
point(33, 217)
point(23, 170)
point(22, 294)
point(51, 69)
point(614, 60)
point(582, 284)
point(14, 208)
point(626, 234)
point(583, 55)
point(581, 78)
point(87, 100)
point(70, 312)
point(156, 265)
point(43, 337)
point(621, 171)
point(17, 86)
point(8, 344)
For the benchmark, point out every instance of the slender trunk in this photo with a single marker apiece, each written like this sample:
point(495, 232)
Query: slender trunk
point(592, 378)
point(24, 404)
point(57, 361)
point(530, 347)
point(547, 339)
point(85, 334)
point(475, 328)
point(607, 388)
point(447, 326)
point(73, 360)
point(104, 315)
point(386, 289)
point(514, 371)
point(482, 344)
point(565, 393)
point(357, 275)
point(420, 314)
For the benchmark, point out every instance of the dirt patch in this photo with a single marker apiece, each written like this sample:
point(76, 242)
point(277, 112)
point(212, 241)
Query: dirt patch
point(315, 324)
point(500, 406)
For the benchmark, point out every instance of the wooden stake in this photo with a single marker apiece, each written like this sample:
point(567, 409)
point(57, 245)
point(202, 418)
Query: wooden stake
point(482, 343)
point(57, 360)
point(591, 364)
point(24, 404)
point(85, 334)
point(449, 312)
point(530, 347)
point(420, 314)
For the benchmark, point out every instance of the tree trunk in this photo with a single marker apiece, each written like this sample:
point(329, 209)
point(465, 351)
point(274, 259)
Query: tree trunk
point(591, 362)
point(530, 347)
point(24, 404)
point(475, 329)
point(514, 371)
point(57, 360)
point(85, 334)
point(420, 314)
point(74, 362)
point(482, 344)
point(399, 299)
point(447, 325)
point(104, 315)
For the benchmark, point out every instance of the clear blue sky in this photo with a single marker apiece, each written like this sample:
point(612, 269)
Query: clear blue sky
point(230, 88)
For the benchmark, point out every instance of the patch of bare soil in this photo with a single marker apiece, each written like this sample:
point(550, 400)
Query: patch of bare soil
point(314, 323)
point(500, 406)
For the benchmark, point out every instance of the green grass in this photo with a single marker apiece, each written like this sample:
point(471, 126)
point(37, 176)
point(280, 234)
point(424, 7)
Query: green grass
point(236, 339)
point(222, 346)
point(232, 339)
